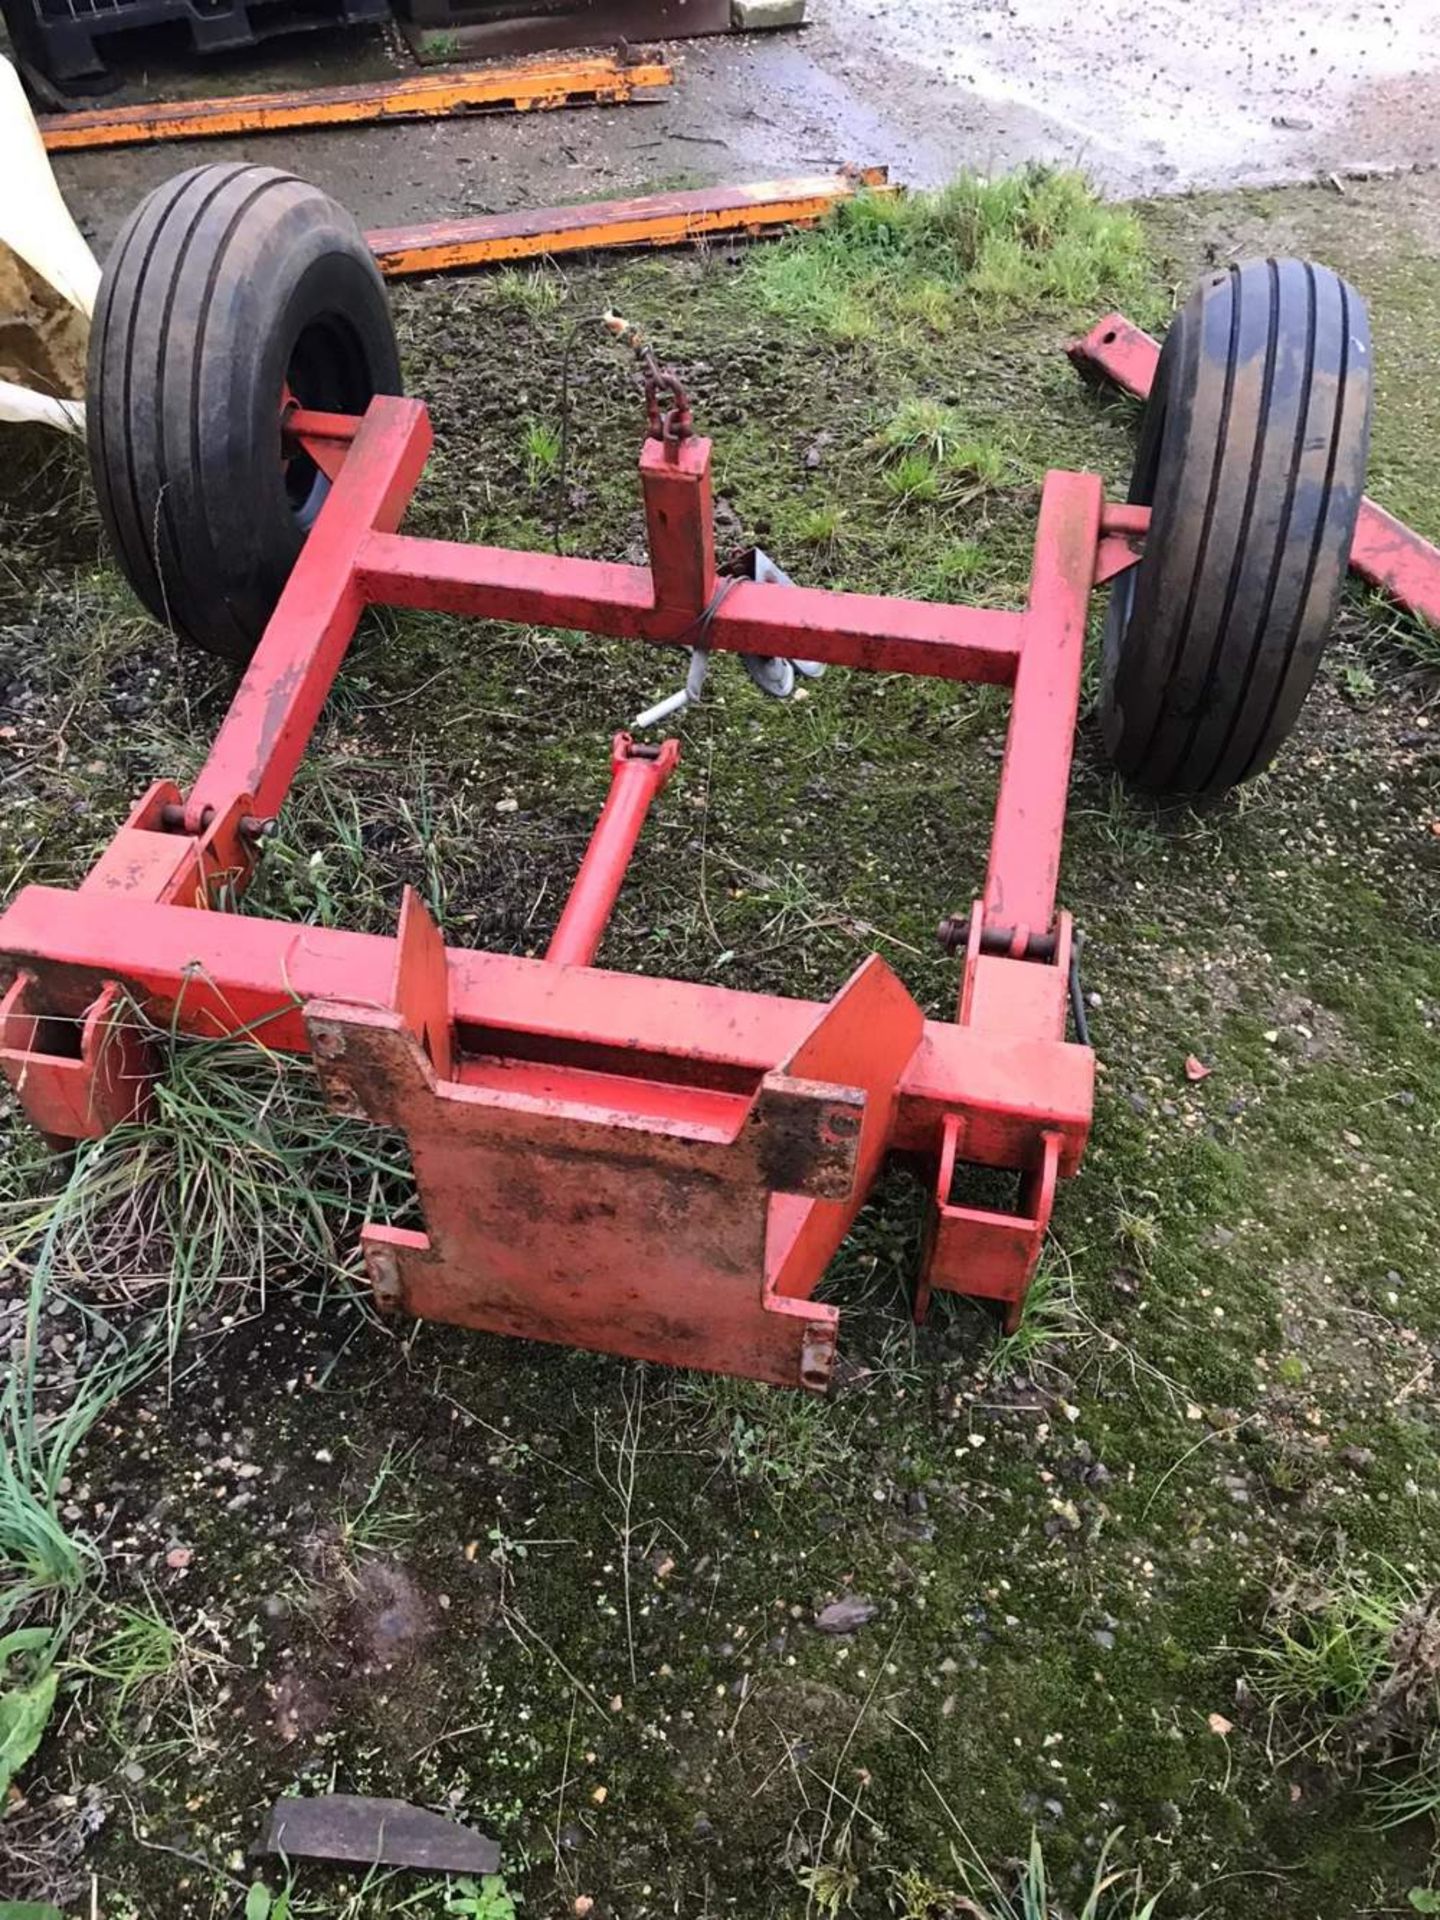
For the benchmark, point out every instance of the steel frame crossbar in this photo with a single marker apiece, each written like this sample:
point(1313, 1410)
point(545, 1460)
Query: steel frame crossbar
point(636, 1165)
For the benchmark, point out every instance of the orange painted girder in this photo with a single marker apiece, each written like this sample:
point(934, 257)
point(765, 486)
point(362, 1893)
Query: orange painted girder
point(533, 84)
point(652, 220)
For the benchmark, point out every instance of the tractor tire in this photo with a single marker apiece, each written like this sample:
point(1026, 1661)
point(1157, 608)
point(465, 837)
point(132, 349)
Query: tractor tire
point(1252, 461)
point(226, 285)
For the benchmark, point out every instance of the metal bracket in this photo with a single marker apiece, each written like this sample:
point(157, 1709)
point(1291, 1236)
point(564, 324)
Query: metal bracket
point(671, 1222)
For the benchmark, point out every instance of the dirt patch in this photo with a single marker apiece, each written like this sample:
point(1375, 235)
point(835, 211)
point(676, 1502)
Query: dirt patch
point(354, 1644)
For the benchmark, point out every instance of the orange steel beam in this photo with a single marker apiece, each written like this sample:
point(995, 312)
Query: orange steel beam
point(533, 84)
point(654, 220)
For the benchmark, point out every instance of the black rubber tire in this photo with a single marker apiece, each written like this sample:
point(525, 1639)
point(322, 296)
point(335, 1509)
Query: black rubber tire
point(1252, 460)
point(225, 282)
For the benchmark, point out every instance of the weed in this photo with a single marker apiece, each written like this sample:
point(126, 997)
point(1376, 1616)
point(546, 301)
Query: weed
point(26, 1697)
point(619, 1482)
point(137, 1647)
point(375, 1526)
point(486, 1899)
point(781, 1444)
point(1328, 1648)
point(43, 1562)
point(1351, 1670)
point(981, 463)
point(822, 527)
point(913, 479)
point(951, 570)
point(830, 1887)
point(1356, 682)
point(817, 288)
point(1113, 1893)
point(540, 443)
point(1138, 1232)
point(930, 301)
point(533, 291)
point(1049, 1322)
point(237, 1174)
point(1023, 239)
point(922, 426)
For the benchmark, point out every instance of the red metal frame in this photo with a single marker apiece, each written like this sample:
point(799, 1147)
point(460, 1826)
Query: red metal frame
point(1387, 553)
point(637, 1165)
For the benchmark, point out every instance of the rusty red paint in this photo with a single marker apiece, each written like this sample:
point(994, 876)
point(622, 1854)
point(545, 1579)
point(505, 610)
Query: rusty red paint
point(636, 776)
point(644, 1166)
point(1385, 552)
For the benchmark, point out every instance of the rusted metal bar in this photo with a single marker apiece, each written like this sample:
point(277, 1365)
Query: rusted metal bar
point(636, 775)
point(865, 630)
point(586, 80)
point(211, 974)
point(653, 220)
point(264, 735)
point(1385, 552)
point(1024, 863)
point(484, 31)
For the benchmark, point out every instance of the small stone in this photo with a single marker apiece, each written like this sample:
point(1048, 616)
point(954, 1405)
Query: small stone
point(1218, 1724)
point(846, 1616)
point(583, 1905)
point(1103, 1637)
point(1358, 1457)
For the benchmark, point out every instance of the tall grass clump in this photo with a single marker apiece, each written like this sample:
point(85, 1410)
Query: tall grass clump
point(977, 246)
point(1349, 1671)
point(237, 1177)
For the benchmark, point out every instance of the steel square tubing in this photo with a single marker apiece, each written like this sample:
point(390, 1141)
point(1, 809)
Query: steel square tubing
point(211, 974)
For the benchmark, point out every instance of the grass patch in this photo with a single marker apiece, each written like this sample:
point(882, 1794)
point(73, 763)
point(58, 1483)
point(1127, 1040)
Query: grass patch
point(1050, 1323)
point(1023, 240)
point(1110, 1893)
point(238, 1179)
point(1350, 1672)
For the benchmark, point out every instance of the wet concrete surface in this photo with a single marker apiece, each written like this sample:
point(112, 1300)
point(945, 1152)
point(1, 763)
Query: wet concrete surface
point(1156, 97)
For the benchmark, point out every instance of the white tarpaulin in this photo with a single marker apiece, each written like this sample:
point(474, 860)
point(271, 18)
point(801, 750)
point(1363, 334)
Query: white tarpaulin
point(48, 278)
